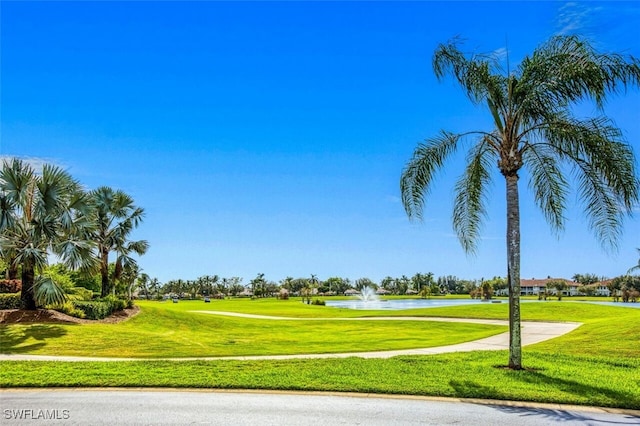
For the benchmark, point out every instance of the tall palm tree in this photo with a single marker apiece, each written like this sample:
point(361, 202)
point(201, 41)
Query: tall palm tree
point(534, 128)
point(41, 213)
point(128, 280)
point(154, 287)
point(144, 282)
point(116, 216)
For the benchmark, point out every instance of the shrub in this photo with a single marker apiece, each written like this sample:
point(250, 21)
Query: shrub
point(70, 309)
point(80, 293)
point(95, 309)
point(283, 294)
point(318, 302)
point(102, 308)
point(10, 286)
point(10, 301)
point(115, 303)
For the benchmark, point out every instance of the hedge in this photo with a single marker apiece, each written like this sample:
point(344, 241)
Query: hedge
point(95, 309)
point(101, 308)
point(10, 301)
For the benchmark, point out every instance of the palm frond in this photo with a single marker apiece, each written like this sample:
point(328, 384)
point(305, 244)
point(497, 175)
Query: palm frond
point(33, 255)
point(16, 176)
point(470, 201)
point(604, 149)
point(138, 247)
point(602, 208)
point(7, 212)
point(123, 204)
point(604, 167)
point(548, 183)
point(418, 174)
point(77, 253)
point(48, 292)
point(126, 262)
point(567, 69)
point(475, 74)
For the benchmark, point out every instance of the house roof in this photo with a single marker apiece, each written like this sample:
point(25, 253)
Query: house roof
point(543, 282)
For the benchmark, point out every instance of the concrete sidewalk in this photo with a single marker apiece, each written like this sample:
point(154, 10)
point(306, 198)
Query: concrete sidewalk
point(532, 332)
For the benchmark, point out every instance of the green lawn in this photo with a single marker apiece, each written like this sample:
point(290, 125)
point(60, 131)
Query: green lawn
point(597, 364)
point(167, 330)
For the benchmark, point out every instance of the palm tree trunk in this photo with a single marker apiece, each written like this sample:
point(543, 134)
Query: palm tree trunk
point(27, 294)
point(104, 272)
point(513, 271)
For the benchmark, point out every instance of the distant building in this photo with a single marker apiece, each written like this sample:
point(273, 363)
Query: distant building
point(534, 287)
point(245, 293)
point(602, 288)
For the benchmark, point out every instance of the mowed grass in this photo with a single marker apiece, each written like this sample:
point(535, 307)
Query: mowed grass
point(597, 364)
point(562, 379)
point(167, 330)
point(607, 330)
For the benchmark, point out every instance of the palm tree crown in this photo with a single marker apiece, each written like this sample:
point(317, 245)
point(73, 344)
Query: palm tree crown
point(41, 213)
point(534, 128)
point(116, 216)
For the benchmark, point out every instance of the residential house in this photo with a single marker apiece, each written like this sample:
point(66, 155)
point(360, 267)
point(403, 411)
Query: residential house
point(602, 288)
point(534, 287)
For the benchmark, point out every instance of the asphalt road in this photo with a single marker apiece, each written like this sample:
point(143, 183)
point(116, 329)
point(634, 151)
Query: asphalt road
point(208, 407)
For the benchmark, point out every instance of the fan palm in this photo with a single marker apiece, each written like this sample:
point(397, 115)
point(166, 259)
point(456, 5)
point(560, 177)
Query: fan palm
point(116, 216)
point(534, 128)
point(42, 213)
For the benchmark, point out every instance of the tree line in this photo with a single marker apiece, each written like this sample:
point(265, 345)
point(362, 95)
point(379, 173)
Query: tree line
point(420, 284)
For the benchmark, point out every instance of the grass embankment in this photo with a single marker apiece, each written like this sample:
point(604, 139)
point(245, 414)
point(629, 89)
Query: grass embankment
point(166, 330)
point(597, 364)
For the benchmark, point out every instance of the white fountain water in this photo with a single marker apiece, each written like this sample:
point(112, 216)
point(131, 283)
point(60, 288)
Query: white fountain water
point(368, 294)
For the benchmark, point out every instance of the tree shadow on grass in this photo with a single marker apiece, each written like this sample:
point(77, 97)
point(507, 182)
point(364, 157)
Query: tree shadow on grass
point(599, 395)
point(13, 339)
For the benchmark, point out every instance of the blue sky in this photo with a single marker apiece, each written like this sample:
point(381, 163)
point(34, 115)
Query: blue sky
point(270, 137)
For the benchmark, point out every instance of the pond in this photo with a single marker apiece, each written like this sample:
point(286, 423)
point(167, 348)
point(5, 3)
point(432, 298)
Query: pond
point(400, 304)
point(618, 304)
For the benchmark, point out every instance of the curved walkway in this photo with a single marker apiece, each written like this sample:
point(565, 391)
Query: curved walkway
point(532, 332)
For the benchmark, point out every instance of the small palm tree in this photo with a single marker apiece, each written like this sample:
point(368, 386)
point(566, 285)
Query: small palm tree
point(116, 216)
point(154, 287)
point(41, 213)
point(533, 128)
point(559, 286)
point(144, 282)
